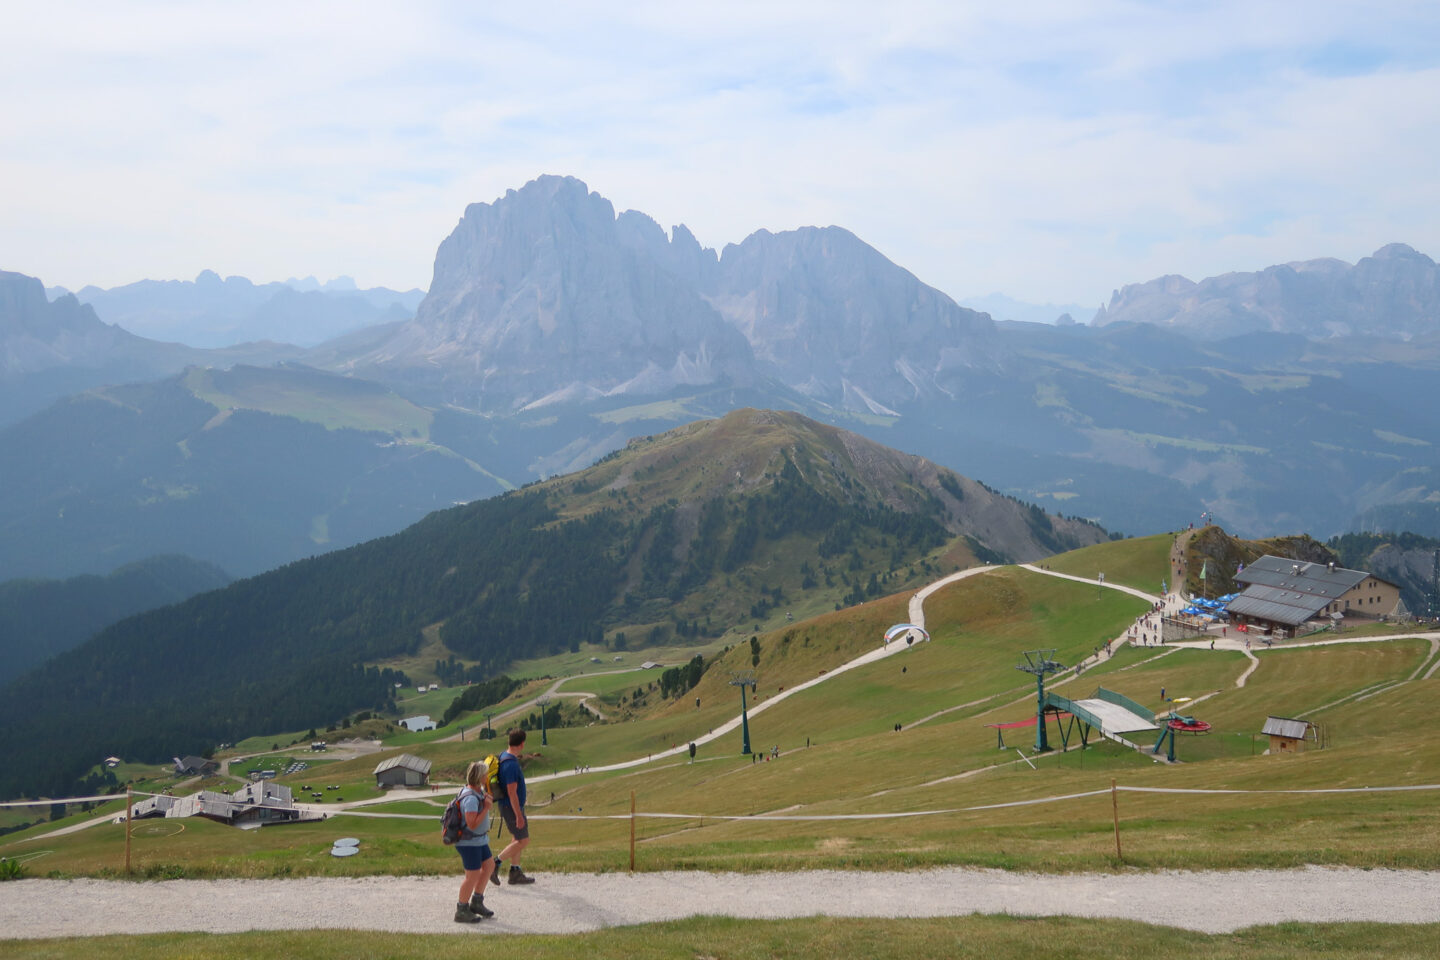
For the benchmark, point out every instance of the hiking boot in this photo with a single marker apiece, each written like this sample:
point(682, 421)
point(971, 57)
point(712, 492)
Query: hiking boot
point(518, 876)
point(495, 874)
point(463, 914)
point(477, 907)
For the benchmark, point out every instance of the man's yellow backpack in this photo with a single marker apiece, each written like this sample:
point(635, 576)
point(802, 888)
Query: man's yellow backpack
point(492, 776)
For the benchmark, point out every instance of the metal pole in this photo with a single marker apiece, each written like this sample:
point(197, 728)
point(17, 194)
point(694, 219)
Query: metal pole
point(544, 702)
point(1042, 744)
point(128, 809)
point(744, 724)
point(632, 831)
point(1115, 808)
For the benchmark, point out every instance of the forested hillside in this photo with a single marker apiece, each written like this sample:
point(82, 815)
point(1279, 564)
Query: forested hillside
point(718, 525)
point(40, 618)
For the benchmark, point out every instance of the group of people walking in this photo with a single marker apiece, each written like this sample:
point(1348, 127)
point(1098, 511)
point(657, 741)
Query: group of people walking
point(476, 807)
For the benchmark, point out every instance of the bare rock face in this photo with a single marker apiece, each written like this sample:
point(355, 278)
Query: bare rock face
point(545, 295)
point(1394, 294)
point(830, 316)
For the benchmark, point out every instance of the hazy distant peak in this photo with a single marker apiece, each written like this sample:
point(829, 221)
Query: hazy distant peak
point(1400, 251)
point(1395, 293)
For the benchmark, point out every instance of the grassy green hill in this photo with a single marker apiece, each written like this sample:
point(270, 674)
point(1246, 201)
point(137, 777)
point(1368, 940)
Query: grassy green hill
point(943, 765)
point(689, 539)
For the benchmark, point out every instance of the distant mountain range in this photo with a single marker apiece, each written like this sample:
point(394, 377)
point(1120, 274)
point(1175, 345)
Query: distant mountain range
point(1393, 294)
point(210, 312)
point(723, 525)
point(49, 350)
point(1003, 308)
point(556, 330)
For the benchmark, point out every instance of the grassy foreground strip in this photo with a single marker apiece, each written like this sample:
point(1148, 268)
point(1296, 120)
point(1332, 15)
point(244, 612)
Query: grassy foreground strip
point(812, 938)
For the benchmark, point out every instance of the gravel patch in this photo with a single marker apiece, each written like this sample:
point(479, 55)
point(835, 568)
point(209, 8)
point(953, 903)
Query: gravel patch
point(1209, 902)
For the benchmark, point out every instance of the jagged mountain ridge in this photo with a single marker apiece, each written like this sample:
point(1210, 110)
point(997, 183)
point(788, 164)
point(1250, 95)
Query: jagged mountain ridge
point(546, 295)
point(1394, 294)
point(536, 300)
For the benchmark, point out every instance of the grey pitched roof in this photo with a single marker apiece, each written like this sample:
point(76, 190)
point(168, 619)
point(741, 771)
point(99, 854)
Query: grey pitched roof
point(407, 760)
point(1277, 606)
point(1292, 591)
point(1301, 576)
point(1285, 727)
point(264, 791)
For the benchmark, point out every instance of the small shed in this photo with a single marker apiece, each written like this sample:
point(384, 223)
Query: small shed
point(416, 724)
point(1287, 735)
point(192, 765)
point(403, 770)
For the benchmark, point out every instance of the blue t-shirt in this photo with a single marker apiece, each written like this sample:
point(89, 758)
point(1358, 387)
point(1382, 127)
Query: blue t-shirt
point(510, 772)
point(480, 836)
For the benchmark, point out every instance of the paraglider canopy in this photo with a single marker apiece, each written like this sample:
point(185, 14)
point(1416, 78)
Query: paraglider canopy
point(900, 629)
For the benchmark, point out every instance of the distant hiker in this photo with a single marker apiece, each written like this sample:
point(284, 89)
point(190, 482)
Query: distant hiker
point(474, 845)
point(512, 810)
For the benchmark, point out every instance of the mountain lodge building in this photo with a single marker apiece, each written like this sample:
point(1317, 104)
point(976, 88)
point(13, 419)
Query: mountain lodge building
point(1282, 594)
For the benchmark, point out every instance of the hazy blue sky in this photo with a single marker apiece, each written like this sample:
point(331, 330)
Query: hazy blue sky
point(1051, 153)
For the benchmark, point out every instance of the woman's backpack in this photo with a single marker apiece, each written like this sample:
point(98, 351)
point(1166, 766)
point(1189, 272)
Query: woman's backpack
point(452, 821)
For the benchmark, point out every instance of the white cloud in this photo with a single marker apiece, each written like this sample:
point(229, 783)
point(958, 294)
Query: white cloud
point(1051, 151)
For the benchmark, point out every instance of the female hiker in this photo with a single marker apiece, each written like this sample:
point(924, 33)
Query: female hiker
point(474, 845)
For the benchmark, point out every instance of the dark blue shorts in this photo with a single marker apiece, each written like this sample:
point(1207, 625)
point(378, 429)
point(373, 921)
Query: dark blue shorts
point(473, 856)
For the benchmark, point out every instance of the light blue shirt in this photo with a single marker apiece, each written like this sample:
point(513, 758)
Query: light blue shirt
point(480, 836)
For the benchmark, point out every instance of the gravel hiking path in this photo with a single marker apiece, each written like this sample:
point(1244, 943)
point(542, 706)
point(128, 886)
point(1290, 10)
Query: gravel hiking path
point(1209, 902)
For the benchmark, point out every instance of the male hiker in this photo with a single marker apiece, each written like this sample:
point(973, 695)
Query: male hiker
point(512, 810)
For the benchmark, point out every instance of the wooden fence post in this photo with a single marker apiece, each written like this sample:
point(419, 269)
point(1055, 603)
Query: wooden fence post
point(632, 831)
point(1115, 809)
point(129, 808)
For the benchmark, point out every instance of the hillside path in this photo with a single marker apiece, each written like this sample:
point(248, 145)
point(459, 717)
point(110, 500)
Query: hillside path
point(1209, 902)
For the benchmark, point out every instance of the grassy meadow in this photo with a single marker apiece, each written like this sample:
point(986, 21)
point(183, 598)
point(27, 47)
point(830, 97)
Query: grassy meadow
point(1141, 562)
point(936, 792)
point(811, 938)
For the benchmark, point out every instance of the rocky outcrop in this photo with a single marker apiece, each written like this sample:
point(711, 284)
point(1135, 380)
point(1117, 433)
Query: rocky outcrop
point(831, 317)
point(1394, 293)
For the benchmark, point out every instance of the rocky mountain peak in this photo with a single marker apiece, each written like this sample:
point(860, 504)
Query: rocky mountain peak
point(1401, 251)
point(545, 294)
